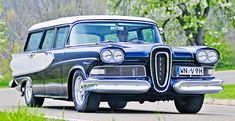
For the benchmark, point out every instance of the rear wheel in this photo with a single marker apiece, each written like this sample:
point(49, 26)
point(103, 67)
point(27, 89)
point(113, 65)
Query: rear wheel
point(117, 104)
point(83, 101)
point(29, 96)
point(189, 104)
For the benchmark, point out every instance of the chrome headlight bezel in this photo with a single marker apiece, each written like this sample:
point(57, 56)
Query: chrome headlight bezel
point(117, 55)
point(207, 56)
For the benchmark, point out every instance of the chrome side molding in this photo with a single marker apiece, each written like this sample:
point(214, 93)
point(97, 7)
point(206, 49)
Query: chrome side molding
point(198, 87)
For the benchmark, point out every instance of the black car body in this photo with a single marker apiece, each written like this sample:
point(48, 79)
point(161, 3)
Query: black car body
point(83, 59)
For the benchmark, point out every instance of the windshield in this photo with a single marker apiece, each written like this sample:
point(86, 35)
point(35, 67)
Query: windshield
point(85, 33)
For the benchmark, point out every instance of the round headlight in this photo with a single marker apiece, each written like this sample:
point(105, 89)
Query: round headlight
point(118, 56)
point(207, 56)
point(106, 55)
point(112, 55)
point(212, 56)
point(202, 56)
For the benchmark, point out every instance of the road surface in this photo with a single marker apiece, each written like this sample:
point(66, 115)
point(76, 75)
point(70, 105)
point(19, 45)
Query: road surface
point(158, 111)
point(227, 76)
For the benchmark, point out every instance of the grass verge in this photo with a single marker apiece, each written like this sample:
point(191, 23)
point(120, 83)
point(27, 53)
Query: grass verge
point(23, 114)
point(4, 83)
point(225, 68)
point(228, 93)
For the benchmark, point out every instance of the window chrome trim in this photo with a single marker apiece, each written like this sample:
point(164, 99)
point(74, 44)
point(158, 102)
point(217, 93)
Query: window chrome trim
point(145, 74)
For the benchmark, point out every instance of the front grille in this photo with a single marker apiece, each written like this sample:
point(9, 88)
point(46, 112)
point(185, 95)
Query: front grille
point(160, 67)
point(118, 71)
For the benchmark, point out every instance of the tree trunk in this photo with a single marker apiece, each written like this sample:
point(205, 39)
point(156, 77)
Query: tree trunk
point(199, 36)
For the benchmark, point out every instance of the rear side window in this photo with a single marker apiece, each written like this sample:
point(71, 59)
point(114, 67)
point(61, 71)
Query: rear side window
point(34, 41)
point(61, 37)
point(48, 39)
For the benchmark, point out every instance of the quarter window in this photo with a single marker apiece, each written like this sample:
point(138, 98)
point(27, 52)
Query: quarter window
point(34, 41)
point(61, 37)
point(48, 39)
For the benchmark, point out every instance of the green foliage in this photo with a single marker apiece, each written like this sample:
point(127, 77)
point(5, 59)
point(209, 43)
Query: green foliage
point(191, 15)
point(227, 55)
point(23, 114)
point(6, 79)
point(228, 93)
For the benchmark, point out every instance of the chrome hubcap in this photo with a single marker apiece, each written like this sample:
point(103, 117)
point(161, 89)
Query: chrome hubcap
point(28, 90)
point(79, 91)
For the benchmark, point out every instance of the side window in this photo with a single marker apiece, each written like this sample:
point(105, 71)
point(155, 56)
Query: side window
point(61, 37)
point(34, 41)
point(48, 39)
point(148, 35)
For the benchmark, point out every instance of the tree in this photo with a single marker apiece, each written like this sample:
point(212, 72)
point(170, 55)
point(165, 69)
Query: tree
point(191, 15)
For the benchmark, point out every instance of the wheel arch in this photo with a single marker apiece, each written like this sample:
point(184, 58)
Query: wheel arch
point(21, 81)
point(70, 79)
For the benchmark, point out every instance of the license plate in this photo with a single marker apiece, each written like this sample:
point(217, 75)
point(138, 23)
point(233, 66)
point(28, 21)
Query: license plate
point(180, 70)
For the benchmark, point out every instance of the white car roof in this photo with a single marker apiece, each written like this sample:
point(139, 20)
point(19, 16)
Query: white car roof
point(70, 20)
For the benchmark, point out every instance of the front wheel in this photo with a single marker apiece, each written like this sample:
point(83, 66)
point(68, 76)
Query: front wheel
point(189, 104)
point(29, 96)
point(83, 101)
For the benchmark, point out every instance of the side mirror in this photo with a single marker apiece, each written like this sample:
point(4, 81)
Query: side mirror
point(161, 31)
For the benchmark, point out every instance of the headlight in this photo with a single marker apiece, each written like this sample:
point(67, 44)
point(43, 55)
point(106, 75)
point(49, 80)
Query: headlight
point(118, 56)
point(213, 56)
point(112, 55)
point(106, 55)
point(202, 56)
point(207, 56)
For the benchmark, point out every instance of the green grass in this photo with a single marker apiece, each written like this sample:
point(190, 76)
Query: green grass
point(23, 114)
point(4, 83)
point(5, 80)
point(228, 93)
point(225, 68)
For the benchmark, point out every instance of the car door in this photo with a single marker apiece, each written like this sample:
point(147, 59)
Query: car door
point(51, 75)
point(53, 43)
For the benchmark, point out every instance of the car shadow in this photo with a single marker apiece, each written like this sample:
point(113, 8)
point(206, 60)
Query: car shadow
point(108, 110)
point(104, 110)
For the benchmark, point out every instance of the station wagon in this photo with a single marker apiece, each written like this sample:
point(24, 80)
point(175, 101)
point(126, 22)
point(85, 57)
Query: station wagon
point(114, 59)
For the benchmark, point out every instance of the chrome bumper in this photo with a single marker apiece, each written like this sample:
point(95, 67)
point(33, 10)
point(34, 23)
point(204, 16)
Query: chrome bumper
point(116, 86)
point(198, 87)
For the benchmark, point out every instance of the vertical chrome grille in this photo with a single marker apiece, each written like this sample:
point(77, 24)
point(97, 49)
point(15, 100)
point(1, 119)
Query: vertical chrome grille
point(160, 67)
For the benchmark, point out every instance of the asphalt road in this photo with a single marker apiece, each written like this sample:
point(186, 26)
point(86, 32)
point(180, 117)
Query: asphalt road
point(227, 76)
point(163, 111)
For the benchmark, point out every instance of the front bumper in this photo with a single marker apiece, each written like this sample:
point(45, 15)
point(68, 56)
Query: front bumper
point(116, 86)
point(198, 87)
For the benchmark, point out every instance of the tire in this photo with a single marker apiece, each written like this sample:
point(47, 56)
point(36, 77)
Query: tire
point(117, 104)
point(30, 99)
point(189, 104)
point(83, 101)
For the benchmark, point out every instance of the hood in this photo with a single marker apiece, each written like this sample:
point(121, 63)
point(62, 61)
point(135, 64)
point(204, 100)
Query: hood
point(185, 53)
